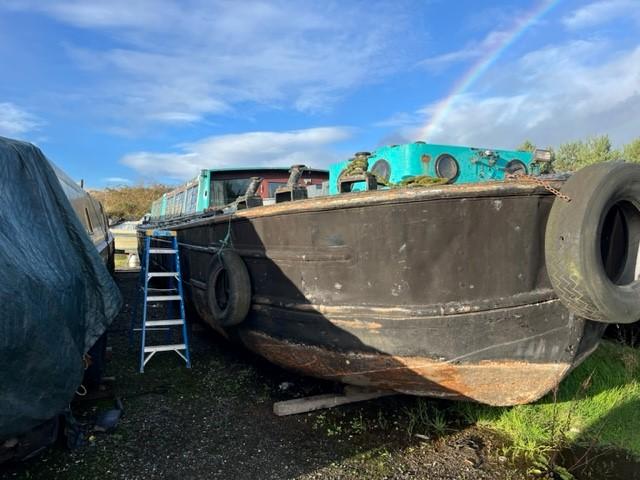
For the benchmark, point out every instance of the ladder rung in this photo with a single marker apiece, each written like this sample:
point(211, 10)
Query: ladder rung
point(162, 250)
point(164, 348)
point(162, 274)
point(162, 298)
point(164, 323)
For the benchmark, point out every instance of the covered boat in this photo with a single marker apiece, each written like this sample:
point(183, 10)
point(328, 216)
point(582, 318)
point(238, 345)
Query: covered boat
point(489, 291)
point(58, 296)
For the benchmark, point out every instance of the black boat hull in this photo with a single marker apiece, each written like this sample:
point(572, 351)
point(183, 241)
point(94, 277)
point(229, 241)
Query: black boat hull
point(436, 291)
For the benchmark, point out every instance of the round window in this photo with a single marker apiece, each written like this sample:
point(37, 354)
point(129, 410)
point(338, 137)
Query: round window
point(447, 167)
point(382, 169)
point(516, 167)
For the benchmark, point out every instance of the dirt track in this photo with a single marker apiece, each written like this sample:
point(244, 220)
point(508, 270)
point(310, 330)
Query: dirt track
point(215, 421)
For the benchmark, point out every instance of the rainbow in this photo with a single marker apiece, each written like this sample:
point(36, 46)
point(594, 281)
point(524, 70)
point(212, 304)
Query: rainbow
point(484, 63)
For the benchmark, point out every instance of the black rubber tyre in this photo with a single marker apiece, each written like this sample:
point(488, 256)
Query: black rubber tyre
point(591, 243)
point(228, 289)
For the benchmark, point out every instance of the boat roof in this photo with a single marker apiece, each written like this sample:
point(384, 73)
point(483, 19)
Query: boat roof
point(262, 169)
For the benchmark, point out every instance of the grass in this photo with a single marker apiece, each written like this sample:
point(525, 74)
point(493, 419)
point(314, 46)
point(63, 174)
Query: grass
point(427, 417)
point(597, 404)
point(121, 261)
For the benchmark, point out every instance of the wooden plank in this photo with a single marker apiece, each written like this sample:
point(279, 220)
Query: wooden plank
point(330, 400)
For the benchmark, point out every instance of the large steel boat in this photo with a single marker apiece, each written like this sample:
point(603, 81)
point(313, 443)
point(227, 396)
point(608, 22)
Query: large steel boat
point(488, 291)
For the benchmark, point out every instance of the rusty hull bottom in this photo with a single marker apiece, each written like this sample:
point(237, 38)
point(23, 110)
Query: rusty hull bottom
point(498, 383)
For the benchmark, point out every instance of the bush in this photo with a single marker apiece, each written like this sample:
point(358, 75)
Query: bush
point(574, 155)
point(129, 203)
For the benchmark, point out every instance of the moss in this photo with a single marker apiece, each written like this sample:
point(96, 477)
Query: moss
point(420, 181)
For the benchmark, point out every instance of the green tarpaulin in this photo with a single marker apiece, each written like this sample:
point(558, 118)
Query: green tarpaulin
point(56, 296)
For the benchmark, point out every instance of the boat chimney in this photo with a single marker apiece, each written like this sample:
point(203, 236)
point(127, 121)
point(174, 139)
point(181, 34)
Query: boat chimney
point(250, 198)
point(295, 172)
point(292, 191)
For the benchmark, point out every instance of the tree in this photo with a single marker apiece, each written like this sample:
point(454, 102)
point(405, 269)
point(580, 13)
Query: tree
point(527, 146)
point(575, 155)
point(631, 151)
point(567, 156)
point(129, 203)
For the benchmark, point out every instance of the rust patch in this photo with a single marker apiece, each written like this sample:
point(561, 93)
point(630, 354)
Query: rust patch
point(357, 324)
point(425, 159)
point(498, 383)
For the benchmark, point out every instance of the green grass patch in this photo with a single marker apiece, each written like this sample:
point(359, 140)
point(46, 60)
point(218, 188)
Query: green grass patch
point(121, 261)
point(598, 404)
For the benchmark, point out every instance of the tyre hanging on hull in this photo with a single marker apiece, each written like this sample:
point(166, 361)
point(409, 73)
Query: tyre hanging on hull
point(592, 243)
point(228, 289)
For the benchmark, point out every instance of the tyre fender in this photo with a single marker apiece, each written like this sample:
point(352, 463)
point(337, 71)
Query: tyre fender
point(592, 243)
point(228, 289)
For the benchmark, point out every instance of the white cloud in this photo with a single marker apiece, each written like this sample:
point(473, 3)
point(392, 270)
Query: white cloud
point(601, 12)
point(311, 147)
point(179, 62)
point(470, 51)
point(15, 121)
point(398, 119)
point(550, 96)
point(117, 180)
point(115, 13)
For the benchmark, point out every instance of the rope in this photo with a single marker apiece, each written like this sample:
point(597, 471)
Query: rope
point(360, 164)
point(356, 166)
point(226, 241)
point(419, 181)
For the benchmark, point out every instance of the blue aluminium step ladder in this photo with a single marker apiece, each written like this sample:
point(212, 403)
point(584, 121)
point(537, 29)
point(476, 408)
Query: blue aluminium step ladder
point(172, 294)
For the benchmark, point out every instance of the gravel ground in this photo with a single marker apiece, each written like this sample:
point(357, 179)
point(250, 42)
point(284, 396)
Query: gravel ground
point(215, 421)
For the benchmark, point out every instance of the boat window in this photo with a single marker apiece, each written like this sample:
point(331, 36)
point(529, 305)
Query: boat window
point(170, 206)
point(192, 198)
point(178, 203)
point(447, 167)
point(226, 191)
point(89, 224)
point(155, 209)
point(273, 186)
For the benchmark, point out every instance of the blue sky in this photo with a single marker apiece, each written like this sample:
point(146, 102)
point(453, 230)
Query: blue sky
point(129, 91)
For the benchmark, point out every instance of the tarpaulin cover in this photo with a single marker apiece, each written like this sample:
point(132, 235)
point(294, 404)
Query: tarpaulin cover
point(56, 296)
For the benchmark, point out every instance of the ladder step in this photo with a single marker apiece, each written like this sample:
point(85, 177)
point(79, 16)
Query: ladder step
point(163, 298)
point(160, 233)
point(164, 348)
point(164, 323)
point(162, 274)
point(162, 250)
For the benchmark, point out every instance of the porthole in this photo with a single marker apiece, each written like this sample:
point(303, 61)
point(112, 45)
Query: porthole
point(382, 169)
point(516, 167)
point(447, 167)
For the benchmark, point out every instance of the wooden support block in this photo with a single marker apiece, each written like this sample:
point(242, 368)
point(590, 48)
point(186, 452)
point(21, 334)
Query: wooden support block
point(330, 400)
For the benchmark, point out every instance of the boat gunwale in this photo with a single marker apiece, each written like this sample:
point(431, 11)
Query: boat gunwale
point(362, 199)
